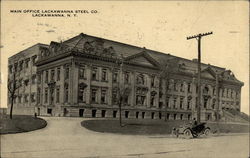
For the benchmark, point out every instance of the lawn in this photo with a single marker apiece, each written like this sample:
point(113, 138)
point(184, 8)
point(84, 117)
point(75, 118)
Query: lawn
point(152, 127)
point(20, 123)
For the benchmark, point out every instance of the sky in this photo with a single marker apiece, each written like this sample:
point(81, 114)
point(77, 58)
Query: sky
point(156, 25)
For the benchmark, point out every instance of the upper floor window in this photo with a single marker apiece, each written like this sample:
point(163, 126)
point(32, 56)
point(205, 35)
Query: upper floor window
point(27, 63)
point(52, 75)
point(33, 79)
point(94, 73)
point(181, 103)
point(189, 87)
point(104, 74)
point(140, 79)
point(94, 95)
point(182, 87)
point(126, 77)
point(21, 65)
point(152, 81)
point(66, 72)
point(58, 73)
point(81, 72)
point(46, 76)
point(115, 77)
point(205, 90)
point(57, 94)
point(175, 86)
point(46, 95)
point(81, 92)
point(104, 96)
point(32, 97)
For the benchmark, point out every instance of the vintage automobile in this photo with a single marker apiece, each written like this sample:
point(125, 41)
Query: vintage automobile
point(189, 131)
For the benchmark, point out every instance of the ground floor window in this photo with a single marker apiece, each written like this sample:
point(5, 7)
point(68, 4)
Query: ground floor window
point(181, 116)
point(168, 115)
point(175, 116)
point(81, 111)
point(160, 115)
point(126, 114)
point(189, 117)
point(152, 115)
point(143, 115)
point(103, 113)
point(137, 114)
point(93, 113)
point(94, 95)
point(49, 111)
point(114, 114)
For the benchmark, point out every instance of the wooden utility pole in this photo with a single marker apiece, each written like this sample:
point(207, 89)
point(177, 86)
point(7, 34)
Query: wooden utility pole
point(198, 37)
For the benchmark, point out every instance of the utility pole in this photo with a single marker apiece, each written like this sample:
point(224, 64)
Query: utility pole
point(198, 37)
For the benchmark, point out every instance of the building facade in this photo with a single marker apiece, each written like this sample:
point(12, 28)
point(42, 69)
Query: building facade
point(84, 76)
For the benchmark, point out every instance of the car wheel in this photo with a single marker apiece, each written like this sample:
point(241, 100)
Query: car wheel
point(188, 133)
point(207, 132)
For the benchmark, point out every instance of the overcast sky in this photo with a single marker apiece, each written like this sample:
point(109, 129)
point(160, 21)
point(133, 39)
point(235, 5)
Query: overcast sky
point(161, 26)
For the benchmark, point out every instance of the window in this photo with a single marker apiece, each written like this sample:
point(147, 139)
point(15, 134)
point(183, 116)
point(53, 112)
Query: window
point(153, 81)
point(33, 79)
point(174, 101)
point(104, 96)
point(189, 87)
point(115, 77)
point(137, 114)
point(46, 95)
point(181, 116)
point(27, 63)
point(94, 95)
point(57, 94)
point(81, 72)
point(49, 111)
point(114, 97)
point(94, 73)
point(26, 82)
point(52, 75)
point(32, 97)
point(175, 86)
point(21, 65)
point(34, 59)
point(167, 102)
point(182, 87)
point(103, 113)
point(26, 98)
point(152, 115)
point(66, 92)
point(58, 74)
point(46, 76)
point(52, 95)
point(126, 77)
point(38, 78)
point(175, 116)
point(213, 105)
point(126, 114)
point(66, 72)
point(93, 113)
point(114, 114)
point(38, 95)
point(104, 74)
point(20, 99)
point(81, 94)
point(189, 104)
point(20, 82)
point(140, 79)
point(181, 103)
point(152, 100)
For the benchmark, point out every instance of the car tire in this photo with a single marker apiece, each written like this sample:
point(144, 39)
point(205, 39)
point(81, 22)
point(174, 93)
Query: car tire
point(188, 133)
point(207, 132)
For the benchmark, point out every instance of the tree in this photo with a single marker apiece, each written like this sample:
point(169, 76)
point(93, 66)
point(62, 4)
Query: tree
point(13, 86)
point(169, 68)
point(123, 89)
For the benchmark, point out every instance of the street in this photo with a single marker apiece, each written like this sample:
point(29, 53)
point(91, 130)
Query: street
point(65, 138)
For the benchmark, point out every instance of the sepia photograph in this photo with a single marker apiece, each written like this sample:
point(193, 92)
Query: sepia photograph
point(124, 79)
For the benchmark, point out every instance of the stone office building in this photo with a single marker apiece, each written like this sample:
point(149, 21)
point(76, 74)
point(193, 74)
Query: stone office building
point(83, 76)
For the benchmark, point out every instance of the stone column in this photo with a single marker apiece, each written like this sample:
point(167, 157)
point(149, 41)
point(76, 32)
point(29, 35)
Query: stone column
point(148, 95)
point(110, 85)
point(132, 81)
